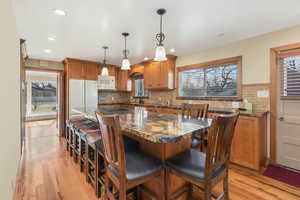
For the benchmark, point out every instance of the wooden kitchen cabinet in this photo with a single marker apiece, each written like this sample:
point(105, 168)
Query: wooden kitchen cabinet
point(80, 69)
point(122, 80)
point(160, 75)
point(249, 145)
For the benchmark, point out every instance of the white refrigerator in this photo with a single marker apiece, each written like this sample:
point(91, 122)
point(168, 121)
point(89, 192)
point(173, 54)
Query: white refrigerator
point(83, 95)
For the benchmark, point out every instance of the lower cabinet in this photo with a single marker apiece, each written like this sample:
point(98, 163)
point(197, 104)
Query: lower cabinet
point(249, 145)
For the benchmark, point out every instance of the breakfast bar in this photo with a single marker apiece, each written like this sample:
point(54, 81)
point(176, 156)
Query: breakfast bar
point(160, 135)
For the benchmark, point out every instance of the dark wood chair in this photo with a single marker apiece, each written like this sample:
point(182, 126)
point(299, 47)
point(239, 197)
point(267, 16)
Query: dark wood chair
point(125, 170)
point(196, 111)
point(205, 170)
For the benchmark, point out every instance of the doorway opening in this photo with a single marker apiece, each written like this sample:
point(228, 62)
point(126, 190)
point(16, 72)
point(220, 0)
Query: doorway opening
point(44, 96)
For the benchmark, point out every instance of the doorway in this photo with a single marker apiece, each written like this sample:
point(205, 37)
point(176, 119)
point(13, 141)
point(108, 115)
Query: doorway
point(44, 96)
point(285, 106)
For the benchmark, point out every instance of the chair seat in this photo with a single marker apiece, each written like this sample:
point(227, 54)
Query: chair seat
point(139, 165)
point(191, 163)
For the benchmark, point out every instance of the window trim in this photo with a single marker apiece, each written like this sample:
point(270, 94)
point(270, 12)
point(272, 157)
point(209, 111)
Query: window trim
point(232, 60)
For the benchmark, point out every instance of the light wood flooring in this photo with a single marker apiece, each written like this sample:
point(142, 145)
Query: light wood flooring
point(48, 173)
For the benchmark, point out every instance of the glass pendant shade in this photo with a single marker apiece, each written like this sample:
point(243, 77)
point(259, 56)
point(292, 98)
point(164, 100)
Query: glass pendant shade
point(104, 71)
point(125, 64)
point(160, 53)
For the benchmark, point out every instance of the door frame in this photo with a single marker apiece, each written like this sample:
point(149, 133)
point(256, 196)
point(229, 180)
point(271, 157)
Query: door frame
point(274, 52)
point(62, 93)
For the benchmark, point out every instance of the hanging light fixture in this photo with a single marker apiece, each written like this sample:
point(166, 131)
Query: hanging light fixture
point(125, 62)
point(104, 71)
point(160, 52)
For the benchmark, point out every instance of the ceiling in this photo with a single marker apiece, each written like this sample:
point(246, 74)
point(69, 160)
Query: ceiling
point(189, 25)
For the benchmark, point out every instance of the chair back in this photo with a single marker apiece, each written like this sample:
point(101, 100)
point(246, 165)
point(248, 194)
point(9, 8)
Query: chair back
point(220, 137)
point(196, 111)
point(113, 142)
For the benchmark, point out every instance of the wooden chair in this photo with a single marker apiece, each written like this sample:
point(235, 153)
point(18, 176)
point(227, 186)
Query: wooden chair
point(125, 171)
point(205, 170)
point(196, 111)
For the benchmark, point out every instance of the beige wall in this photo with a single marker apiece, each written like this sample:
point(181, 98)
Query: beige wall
point(9, 101)
point(255, 52)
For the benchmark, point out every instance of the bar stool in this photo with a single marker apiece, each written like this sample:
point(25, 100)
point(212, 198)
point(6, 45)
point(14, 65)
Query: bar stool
point(196, 111)
point(94, 167)
point(125, 170)
point(205, 170)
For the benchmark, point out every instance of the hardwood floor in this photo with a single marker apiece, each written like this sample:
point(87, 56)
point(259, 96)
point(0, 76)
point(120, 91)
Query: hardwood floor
point(48, 173)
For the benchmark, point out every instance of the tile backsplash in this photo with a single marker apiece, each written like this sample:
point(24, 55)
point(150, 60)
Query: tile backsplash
point(113, 97)
point(249, 93)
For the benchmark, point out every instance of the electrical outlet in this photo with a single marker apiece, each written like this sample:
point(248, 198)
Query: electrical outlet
point(112, 98)
point(262, 94)
point(235, 104)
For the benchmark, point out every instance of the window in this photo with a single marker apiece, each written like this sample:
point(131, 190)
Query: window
point(290, 77)
point(139, 88)
point(217, 79)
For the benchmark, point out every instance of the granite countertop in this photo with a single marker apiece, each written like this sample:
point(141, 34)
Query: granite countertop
point(250, 113)
point(152, 126)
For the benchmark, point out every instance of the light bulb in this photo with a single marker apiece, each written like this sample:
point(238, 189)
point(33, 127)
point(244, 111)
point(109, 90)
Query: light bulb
point(104, 71)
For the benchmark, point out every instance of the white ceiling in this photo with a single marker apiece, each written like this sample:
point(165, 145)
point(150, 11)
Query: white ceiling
point(189, 25)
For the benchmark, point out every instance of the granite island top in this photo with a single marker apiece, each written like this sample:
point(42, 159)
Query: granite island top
point(152, 126)
point(250, 113)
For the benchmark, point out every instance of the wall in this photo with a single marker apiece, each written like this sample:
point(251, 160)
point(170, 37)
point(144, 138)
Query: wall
point(255, 66)
point(44, 64)
point(10, 100)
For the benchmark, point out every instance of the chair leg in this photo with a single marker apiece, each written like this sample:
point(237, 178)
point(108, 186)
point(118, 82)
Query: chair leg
point(225, 186)
point(207, 192)
point(122, 193)
point(163, 186)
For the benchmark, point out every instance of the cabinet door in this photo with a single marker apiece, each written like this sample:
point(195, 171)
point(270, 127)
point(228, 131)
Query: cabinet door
point(148, 76)
point(164, 74)
point(245, 147)
point(91, 71)
point(76, 70)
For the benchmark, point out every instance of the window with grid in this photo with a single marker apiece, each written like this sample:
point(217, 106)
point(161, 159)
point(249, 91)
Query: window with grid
point(213, 80)
point(139, 88)
point(290, 77)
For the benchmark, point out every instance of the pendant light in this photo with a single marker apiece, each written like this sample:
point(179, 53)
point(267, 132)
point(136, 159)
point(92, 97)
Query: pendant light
point(104, 71)
point(125, 62)
point(160, 52)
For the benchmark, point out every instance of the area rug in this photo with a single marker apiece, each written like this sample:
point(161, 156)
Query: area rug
point(282, 174)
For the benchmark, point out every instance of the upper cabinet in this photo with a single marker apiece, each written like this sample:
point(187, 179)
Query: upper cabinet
point(79, 69)
point(123, 81)
point(160, 75)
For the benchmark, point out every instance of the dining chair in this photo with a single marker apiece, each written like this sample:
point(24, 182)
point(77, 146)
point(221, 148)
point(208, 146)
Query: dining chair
point(125, 169)
point(196, 111)
point(205, 170)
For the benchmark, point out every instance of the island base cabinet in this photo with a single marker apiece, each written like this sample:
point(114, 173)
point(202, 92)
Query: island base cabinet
point(249, 145)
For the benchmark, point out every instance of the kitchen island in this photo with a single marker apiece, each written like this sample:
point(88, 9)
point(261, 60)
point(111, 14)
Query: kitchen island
point(160, 135)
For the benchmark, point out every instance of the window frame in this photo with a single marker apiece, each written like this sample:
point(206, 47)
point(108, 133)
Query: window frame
point(140, 97)
point(215, 63)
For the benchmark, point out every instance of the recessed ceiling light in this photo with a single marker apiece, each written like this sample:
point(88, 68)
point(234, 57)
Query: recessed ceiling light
point(47, 50)
point(172, 50)
point(146, 58)
point(51, 38)
point(60, 12)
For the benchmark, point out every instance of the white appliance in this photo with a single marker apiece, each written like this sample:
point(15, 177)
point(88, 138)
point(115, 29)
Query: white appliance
point(83, 95)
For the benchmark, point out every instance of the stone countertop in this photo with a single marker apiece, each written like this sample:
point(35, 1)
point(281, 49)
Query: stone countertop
point(152, 126)
point(249, 113)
